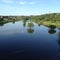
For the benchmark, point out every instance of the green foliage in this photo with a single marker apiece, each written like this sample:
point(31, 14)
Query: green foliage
point(30, 29)
point(46, 19)
point(52, 26)
point(30, 25)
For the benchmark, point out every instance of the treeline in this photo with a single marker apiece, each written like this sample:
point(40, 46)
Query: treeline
point(46, 17)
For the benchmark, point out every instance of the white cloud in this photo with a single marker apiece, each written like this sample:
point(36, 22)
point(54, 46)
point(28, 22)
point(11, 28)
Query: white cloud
point(32, 3)
point(28, 3)
point(19, 2)
point(22, 2)
point(7, 1)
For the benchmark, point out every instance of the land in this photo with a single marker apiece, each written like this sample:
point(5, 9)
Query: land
point(46, 19)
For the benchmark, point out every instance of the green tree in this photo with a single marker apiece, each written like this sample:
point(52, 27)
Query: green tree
point(52, 29)
point(30, 28)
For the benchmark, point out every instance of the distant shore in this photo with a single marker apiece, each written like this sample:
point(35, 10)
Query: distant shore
point(46, 19)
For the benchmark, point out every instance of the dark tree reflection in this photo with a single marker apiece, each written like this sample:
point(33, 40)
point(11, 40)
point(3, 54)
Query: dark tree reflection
point(1, 24)
point(52, 29)
point(39, 25)
point(30, 30)
point(24, 23)
point(13, 21)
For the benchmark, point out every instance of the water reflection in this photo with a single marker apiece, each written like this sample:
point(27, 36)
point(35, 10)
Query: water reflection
point(30, 30)
point(30, 27)
point(1, 24)
point(59, 39)
point(13, 22)
point(24, 23)
point(40, 44)
point(39, 25)
point(38, 22)
point(52, 29)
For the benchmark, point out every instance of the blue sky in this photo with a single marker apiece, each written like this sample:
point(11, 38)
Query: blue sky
point(29, 7)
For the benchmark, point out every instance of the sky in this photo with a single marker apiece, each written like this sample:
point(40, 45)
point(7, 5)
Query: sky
point(29, 7)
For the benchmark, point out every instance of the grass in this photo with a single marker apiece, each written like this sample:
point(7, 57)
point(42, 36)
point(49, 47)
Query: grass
point(47, 23)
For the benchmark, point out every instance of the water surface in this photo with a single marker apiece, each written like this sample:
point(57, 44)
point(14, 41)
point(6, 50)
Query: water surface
point(29, 41)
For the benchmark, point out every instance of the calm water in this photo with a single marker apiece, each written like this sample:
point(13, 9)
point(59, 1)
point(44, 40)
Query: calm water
point(24, 41)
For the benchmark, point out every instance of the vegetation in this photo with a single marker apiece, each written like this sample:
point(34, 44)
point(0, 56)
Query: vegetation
point(46, 19)
point(30, 27)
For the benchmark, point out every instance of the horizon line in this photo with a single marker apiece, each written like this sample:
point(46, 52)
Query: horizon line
point(31, 14)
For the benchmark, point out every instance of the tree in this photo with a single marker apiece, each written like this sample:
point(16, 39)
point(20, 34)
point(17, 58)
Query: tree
point(30, 28)
point(52, 29)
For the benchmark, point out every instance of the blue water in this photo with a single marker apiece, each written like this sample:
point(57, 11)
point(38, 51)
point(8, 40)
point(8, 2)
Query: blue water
point(19, 43)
